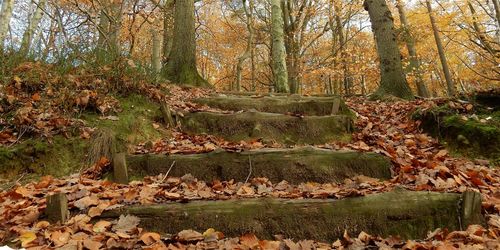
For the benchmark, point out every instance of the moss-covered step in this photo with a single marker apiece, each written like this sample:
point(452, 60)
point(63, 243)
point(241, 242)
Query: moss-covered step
point(410, 215)
point(293, 165)
point(282, 105)
point(280, 128)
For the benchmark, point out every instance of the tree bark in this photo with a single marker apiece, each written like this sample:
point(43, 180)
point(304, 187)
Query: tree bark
point(496, 4)
point(110, 20)
point(278, 49)
point(32, 26)
point(415, 63)
point(181, 66)
point(442, 57)
point(5, 15)
point(168, 24)
point(342, 43)
point(248, 51)
point(156, 54)
point(393, 81)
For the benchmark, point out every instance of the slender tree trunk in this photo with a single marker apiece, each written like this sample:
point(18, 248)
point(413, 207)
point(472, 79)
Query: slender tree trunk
point(363, 85)
point(446, 70)
point(278, 49)
point(480, 34)
point(496, 4)
point(114, 28)
point(393, 79)
point(248, 50)
point(253, 73)
point(32, 26)
point(342, 45)
point(168, 24)
point(102, 41)
point(156, 54)
point(181, 67)
point(415, 64)
point(5, 15)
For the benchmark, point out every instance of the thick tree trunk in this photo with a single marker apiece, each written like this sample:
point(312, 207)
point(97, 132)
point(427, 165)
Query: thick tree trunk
point(248, 51)
point(108, 43)
point(114, 29)
point(181, 67)
point(442, 57)
point(415, 63)
point(278, 49)
point(32, 26)
point(5, 15)
point(393, 81)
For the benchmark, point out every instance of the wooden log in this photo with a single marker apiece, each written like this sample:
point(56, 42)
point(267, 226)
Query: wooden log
point(57, 208)
point(120, 170)
point(317, 106)
point(286, 129)
point(410, 215)
point(296, 166)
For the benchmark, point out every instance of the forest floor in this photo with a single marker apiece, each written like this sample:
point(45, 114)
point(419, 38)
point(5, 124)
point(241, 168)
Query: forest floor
point(420, 163)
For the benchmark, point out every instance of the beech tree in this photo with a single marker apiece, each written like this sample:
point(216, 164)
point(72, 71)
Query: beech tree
point(415, 64)
point(393, 80)
point(278, 49)
point(5, 15)
point(181, 66)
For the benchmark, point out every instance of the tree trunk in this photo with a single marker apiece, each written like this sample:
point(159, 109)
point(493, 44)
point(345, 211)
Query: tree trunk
point(342, 50)
point(181, 67)
point(168, 24)
point(248, 51)
point(108, 43)
point(497, 12)
point(278, 49)
point(156, 55)
point(449, 81)
point(114, 28)
point(32, 26)
point(415, 63)
point(5, 15)
point(393, 81)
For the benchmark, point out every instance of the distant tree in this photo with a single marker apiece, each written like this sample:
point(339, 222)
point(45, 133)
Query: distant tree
point(393, 80)
point(5, 15)
point(181, 66)
point(442, 57)
point(415, 64)
point(32, 26)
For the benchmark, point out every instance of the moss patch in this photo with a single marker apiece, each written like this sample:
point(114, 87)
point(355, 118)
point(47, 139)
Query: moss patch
point(36, 157)
point(470, 137)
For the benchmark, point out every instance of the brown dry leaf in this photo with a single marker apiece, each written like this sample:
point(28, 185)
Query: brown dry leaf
point(92, 244)
point(26, 238)
point(86, 202)
point(126, 223)
point(95, 211)
point(189, 235)
point(36, 97)
point(44, 182)
point(101, 226)
point(150, 238)
point(42, 224)
point(442, 153)
point(59, 238)
point(249, 240)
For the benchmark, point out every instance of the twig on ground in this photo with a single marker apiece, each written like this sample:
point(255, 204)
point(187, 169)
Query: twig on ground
point(168, 171)
point(250, 172)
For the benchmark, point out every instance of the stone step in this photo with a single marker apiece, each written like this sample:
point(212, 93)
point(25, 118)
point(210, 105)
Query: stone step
point(410, 215)
point(317, 106)
point(270, 127)
point(296, 166)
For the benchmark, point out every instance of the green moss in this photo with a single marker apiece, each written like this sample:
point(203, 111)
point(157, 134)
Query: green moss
point(467, 137)
point(408, 214)
point(63, 156)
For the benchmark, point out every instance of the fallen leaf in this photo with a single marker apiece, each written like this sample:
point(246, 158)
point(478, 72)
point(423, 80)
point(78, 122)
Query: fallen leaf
point(101, 226)
point(189, 235)
point(26, 238)
point(150, 238)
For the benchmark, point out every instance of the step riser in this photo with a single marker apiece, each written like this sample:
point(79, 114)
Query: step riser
point(295, 166)
point(407, 214)
point(315, 106)
point(271, 127)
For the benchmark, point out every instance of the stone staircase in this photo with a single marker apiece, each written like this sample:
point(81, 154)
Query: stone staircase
point(298, 121)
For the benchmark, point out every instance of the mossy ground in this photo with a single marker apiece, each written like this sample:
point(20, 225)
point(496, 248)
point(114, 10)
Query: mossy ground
point(476, 136)
point(60, 156)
